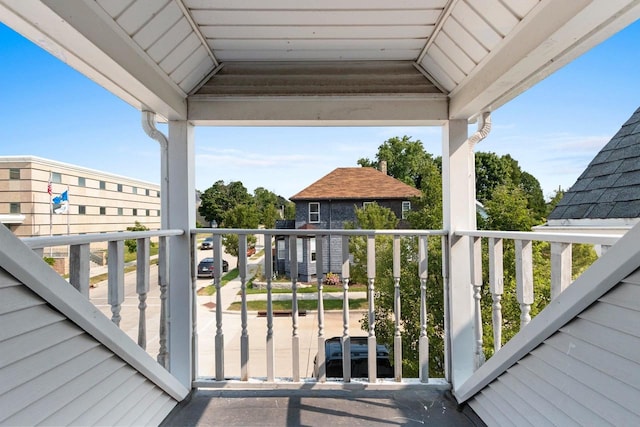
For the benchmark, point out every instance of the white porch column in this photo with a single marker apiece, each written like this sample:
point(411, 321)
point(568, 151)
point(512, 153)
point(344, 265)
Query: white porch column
point(459, 213)
point(181, 163)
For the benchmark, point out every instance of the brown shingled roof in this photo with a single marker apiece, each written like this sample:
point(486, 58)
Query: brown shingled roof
point(356, 183)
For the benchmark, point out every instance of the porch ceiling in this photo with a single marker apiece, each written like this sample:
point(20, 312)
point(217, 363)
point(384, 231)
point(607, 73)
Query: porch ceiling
point(282, 61)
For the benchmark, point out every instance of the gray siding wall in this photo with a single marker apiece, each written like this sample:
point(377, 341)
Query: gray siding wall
point(587, 373)
point(53, 373)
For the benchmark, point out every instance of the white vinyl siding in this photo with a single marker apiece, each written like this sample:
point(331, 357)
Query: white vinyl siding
point(587, 373)
point(54, 373)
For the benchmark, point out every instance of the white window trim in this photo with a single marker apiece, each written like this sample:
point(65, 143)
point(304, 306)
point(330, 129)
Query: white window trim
point(315, 212)
point(406, 210)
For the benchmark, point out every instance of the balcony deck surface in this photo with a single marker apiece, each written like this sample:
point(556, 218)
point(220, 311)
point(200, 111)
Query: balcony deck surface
point(320, 408)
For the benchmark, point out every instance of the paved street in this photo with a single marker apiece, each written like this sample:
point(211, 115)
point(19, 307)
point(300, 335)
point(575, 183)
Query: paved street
point(256, 326)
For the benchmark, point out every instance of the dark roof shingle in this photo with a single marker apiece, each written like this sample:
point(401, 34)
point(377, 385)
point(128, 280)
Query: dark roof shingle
point(610, 186)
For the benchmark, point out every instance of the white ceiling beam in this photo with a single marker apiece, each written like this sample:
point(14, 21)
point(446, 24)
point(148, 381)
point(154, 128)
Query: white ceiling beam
point(75, 32)
point(429, 110)
point(555, 33)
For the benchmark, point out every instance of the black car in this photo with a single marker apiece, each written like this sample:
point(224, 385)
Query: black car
point(207, 243)
point(205, 267)
point(359, 359)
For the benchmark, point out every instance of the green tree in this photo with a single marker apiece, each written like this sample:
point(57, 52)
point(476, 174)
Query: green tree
point(220, 198)
point(132, 244)
point(240, 216)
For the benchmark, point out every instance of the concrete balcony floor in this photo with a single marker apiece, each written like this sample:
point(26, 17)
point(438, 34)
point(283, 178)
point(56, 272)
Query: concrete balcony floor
point(410, 407)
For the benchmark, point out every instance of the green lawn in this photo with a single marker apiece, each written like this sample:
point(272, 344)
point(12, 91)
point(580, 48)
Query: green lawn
point(333, 304)
point(211, 289)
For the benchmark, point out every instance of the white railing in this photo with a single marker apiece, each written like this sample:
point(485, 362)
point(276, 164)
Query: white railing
point(80, 274)
point(560, 252)
point(323, 239)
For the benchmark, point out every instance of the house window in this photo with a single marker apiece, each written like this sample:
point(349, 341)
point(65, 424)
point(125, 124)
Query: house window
point(82, 182)
point(314, 212)
point(135, 212)
point(56, 177)
point(14, 208)
point(365, 204)
point(299, 252)
point(103, 185)
point(312, 247)
point(406, 207)
point(103, 210)
point(120, 211)
point(14, 173)
point(282, 252)
point(120, 188)
point(82, 210)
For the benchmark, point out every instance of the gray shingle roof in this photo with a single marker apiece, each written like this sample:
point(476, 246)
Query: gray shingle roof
point(610, 186)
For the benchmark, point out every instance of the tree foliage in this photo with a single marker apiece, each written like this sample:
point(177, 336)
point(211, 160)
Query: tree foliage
point(132, 244)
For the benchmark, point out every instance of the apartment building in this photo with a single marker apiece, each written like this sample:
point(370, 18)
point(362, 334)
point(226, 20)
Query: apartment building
point(96, 201)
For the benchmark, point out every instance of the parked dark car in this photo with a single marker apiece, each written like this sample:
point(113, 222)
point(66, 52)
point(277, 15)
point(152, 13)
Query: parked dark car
point(359, 359)
point(207, 243)
point(205, 267)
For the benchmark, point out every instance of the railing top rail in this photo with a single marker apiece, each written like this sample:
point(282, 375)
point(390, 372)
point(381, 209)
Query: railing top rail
point(318, 232)
point(78, 239)
point(598, 239)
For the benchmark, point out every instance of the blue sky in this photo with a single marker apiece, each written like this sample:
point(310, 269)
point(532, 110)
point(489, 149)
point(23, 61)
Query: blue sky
point(554, 130)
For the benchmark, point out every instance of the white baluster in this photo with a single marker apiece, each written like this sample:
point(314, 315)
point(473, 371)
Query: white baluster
point(371, 340)
point(268, 271)
point(496, 286)
point(320, 361)
point(423, 274)
point(446, 291)
point(524, 279)
point(346, 339)
point(560, 267)
point(217, 280)
point(79, 268)
point(244, 336)
point(476, 282)
point(193, 251)
point(397, 337)
point(163, 277)
point(142, 288)
point(295, 339)
point(115, 278)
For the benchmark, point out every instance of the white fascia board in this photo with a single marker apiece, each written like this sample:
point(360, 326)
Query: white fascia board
point(319, 111)
point(84, 37)
point(592, 226)
point(552, 35)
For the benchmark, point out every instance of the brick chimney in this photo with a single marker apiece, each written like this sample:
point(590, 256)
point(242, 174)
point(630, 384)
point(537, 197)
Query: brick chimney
point(383, 166)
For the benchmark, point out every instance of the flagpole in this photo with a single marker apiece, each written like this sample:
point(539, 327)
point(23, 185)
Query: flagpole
point(50, 191)
point(68, 209)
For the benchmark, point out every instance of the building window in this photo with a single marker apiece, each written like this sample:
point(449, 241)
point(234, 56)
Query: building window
point(282, 252)
point(134, 212)
point(103, 185)
point(120, 211)
point(14, 173)
point(56, 177)
point(82, 210)
point(314, 212)
point(147, 192)
point(148, 212)
point(158, 212)
point(82, 182)
point(157, 193)
point(134, 190)
point(120, 188)
point(14, 208)
point(312, 247)
point(103, 210)
point(406, 207)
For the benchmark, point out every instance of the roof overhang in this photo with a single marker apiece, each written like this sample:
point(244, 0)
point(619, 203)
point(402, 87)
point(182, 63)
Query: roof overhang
point(158, 56)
